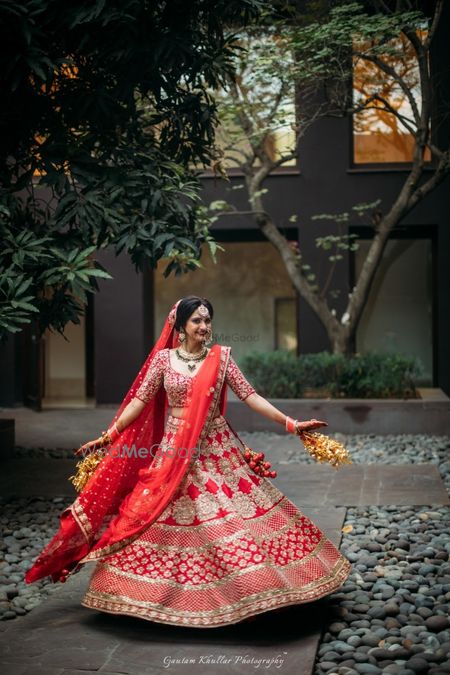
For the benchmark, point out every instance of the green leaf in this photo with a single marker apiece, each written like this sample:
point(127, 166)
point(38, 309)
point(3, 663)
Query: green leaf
point(95, 272)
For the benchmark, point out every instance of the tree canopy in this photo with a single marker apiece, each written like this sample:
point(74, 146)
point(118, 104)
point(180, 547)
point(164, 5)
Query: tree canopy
point(104, 108)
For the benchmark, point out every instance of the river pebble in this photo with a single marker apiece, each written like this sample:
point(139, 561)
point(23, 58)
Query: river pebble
point(17, 598)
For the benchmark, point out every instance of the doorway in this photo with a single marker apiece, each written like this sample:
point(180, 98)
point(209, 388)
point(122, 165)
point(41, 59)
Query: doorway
point(68, 378)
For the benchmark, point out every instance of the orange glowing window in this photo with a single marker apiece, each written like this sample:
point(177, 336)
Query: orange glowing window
point(383, 130)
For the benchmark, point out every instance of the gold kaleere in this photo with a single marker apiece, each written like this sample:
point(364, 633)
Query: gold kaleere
point(324, 449)
point(85, 469)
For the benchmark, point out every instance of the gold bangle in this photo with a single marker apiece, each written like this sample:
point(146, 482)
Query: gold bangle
point(105, 439)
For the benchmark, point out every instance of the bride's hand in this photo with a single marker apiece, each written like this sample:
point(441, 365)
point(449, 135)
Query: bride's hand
point(89, 447)
point(309, 425)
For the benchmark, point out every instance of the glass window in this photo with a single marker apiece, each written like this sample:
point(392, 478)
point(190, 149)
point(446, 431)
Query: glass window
point(243, 293)
point(261, 107)
point(286, 324)
point(397, 317)
point(379, 135)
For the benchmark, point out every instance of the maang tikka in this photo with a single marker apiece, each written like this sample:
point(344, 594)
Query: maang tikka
point(204, 311)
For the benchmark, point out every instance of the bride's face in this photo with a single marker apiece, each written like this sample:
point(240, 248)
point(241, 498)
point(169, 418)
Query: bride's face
point(197, 326)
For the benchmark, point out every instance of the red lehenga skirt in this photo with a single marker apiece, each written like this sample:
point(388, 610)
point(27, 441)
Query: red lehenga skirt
point(229, 545)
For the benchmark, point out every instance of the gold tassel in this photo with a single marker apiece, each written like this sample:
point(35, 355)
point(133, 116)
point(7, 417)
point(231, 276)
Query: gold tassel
point(325, 449)
point(85, 469)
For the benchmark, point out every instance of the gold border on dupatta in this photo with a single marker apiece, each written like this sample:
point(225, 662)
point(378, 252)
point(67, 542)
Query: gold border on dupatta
point(81, 519)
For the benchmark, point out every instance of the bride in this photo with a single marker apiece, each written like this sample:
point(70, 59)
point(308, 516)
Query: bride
point(182, 529)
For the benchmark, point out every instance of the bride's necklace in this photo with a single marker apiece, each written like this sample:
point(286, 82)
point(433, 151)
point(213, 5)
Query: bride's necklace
point(188, 358)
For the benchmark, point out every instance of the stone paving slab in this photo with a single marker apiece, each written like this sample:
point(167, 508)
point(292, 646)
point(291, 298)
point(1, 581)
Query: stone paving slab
point(61, 637)
point(58, 428)
point(363, 484)
point(307, 484)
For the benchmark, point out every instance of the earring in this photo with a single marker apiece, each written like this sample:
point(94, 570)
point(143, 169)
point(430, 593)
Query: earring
point(209, 337)
point(182, 336)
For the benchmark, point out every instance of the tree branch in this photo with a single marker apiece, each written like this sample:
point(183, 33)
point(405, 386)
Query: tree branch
point(247, 125)
point(389, 70)
point(442, 170)
point(388, 108)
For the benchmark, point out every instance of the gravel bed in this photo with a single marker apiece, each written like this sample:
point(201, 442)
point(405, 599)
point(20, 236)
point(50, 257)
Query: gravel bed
point(390, 616)
point(27, 525)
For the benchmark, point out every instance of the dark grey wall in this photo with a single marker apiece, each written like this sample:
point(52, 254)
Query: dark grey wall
point(8, 380)
point(119, 344)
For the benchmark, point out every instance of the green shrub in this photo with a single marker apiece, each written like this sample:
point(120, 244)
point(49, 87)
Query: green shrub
point(280, 374)
point(276, 374)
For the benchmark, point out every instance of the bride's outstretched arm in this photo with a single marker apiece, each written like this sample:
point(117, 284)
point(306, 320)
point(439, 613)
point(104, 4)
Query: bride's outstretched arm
point(261, 405)
point(246, 392)
point(130, 413)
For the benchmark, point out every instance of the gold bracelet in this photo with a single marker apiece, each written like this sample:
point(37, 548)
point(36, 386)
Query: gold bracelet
point(105, 439)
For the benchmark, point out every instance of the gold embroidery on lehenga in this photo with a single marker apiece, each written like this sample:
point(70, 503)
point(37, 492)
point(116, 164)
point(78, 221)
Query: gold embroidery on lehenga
point(218, 541)
point(231, 576)
point(183, 510)
point(250, 605)
point(221, 519)
point(243, 504)
point(206, 506)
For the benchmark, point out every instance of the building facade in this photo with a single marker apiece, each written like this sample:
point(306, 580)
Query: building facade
point(256, 305)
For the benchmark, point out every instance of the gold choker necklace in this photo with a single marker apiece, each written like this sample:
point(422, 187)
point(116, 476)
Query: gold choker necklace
point(188, 359)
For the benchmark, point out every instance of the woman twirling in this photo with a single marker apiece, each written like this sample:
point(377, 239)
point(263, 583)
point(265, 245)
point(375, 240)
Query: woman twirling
point(188, 534)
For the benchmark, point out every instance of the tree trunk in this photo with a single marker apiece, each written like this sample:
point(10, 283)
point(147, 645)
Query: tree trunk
point(341, 342)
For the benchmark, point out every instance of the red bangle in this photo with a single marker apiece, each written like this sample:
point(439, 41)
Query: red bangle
point(113, 432)
point(290, 425)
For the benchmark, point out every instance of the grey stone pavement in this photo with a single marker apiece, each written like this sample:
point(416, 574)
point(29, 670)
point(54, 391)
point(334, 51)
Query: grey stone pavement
point(58, 428)
point(60, 636)
point(63, 637)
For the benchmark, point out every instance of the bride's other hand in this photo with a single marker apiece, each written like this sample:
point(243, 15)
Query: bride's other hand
point(309, 425)
point(90, 446)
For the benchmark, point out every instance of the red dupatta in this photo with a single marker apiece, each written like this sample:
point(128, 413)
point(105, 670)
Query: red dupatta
point(126, 494)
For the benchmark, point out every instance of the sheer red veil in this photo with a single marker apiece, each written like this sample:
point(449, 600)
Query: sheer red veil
point(127, 492)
